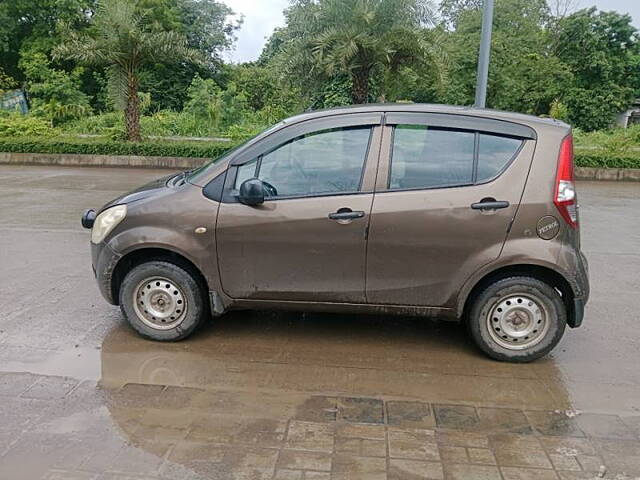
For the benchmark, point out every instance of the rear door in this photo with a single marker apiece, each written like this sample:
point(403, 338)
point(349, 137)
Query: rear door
point(448, 188)
point(307, 241)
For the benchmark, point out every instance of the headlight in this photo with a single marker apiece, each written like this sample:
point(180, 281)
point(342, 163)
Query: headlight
point(107, 221)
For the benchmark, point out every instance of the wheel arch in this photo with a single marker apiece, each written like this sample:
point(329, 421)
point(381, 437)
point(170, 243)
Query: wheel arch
point(142, 255)
point(543, 273)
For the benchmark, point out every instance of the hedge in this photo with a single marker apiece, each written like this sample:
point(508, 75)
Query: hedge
point(605, 159)
point(103, 146)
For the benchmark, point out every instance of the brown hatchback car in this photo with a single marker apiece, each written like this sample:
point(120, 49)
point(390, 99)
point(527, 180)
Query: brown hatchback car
point(428, 210)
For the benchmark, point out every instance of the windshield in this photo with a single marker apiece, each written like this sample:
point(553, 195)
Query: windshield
point(197, 175)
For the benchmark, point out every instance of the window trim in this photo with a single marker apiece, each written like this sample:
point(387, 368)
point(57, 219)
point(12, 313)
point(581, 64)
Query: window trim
point(475, 163)
point(230, 194)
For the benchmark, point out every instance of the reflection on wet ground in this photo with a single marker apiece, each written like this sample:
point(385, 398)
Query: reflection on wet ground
point(298, 396)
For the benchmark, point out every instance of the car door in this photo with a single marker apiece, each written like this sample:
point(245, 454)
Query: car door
point(448, 189)
point(306, 242)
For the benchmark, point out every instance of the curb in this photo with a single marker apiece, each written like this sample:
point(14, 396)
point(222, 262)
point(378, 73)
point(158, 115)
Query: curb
point(78, 160)
point(608, 174)
point(177, 163)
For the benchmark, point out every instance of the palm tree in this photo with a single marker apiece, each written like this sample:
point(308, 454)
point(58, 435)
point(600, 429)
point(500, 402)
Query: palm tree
point(360, 37)
point(124, 42)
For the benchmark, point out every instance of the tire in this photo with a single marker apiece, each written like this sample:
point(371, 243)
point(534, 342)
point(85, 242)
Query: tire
point(162, 301)
point(517, 319)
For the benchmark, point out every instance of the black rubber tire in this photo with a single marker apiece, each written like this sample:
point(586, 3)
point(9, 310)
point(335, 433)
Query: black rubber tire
point(193, 292)
point(487, 298)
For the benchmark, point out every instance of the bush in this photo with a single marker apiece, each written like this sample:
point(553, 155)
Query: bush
point(19, 125)
point(103, 146)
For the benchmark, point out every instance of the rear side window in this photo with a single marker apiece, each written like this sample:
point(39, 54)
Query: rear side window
point(427, 157)
point(494, 153)
point(424, 157)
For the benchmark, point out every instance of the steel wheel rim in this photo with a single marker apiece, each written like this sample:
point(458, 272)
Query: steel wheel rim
point(518, 321)
point(159, 303)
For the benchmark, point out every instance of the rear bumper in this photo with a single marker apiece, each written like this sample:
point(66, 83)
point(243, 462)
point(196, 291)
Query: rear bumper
point(576, 314)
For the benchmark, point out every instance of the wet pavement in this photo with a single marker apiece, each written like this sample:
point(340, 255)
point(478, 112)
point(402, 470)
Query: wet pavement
point(259, 395)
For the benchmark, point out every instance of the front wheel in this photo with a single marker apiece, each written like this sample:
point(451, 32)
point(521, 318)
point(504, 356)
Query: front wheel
point(162, 301)
point(517, 319)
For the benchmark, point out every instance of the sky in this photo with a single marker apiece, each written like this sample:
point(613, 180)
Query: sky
point(262, 16)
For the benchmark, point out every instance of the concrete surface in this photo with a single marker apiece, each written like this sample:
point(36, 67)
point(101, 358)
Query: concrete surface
point(295, 396)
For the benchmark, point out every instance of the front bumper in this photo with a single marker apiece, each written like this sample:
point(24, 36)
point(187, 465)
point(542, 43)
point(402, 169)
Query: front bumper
point(103, 261)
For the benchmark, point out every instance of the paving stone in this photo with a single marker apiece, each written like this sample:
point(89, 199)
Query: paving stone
point(414, 470)
point(590, 463)
point(253, 463)
point(69, 475)
point(178, 397)
point(482, 456)
point(288, 475)
point(136, 461)
point(13, 384)
point(360, 410)
point(518, 451)
point(49, 388)
point(410, 414)
point(451, 454)
point(456, 417)
point(413, 444)
point(503, 420)
point(567, 446)
point(310, 436)
point(369, 432)
point(463, 439)
point(318, 409)
point(555, 423)
point(633, 423)
point(517, 473)
point(564, 462)
point(620, 456)
point(317, 476)
point(361, 447)
point(349, 467)
point(299, 460)
point(136, 395)
point(604, 426)
point(471, 472)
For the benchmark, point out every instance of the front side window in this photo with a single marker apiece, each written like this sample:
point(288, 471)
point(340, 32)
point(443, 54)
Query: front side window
point(324, 162)
point(425, 157)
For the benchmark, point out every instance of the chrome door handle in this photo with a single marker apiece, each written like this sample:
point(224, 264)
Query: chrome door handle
point(346, 214)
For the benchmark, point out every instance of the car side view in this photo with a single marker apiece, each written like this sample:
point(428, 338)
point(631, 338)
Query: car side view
point(429, 210)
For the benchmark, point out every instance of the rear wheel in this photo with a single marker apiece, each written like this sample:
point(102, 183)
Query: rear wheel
point(517, 319)
point(162, 301)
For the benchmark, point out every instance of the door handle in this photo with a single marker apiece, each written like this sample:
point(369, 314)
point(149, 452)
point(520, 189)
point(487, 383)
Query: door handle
point(489, 204)
point(346, 214)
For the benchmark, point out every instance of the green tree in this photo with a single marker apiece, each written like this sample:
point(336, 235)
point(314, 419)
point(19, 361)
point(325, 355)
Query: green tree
point(524, 73)
point(602, 50)
point(361, 39)
point(124, 42)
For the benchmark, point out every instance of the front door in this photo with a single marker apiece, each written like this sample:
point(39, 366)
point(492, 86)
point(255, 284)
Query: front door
point(432, 223)
point(307, 241)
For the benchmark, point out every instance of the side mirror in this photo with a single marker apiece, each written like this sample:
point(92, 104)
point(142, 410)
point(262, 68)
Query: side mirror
point(251, 192)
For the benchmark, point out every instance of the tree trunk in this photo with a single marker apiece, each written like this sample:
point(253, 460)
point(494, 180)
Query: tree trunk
point(132, 110)
point(360, 88)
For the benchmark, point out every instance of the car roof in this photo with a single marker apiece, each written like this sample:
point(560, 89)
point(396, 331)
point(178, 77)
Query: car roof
point(429, 108)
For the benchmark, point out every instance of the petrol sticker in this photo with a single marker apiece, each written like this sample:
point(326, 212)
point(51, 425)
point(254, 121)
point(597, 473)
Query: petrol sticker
point(548, 227)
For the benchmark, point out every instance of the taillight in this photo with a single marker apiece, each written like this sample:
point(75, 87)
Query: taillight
point(565, 191)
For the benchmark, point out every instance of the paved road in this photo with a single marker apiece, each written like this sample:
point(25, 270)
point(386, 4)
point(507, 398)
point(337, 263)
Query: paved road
point(292, 396)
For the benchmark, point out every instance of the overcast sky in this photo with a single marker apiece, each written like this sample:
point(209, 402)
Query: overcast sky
point(262, 16)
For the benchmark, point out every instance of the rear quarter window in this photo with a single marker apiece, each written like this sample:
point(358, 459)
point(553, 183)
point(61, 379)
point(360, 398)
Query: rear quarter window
point(495, 152)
